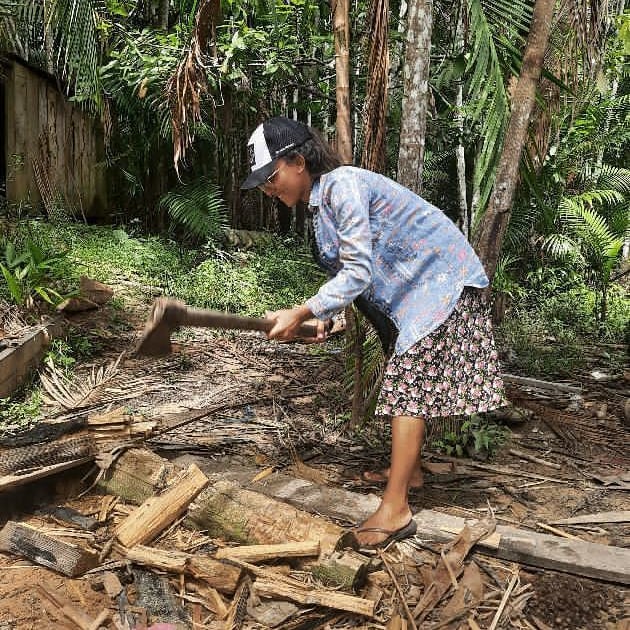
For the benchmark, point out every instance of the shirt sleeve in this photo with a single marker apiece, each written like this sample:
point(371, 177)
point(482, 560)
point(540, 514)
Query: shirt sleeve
point(351, 207)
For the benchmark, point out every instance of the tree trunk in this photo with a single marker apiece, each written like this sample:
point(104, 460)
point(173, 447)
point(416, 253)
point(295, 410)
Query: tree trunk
point(342, 66)
point(459, 118)
point(415, 96)
point(344, 148)
point(376, 98)
point(494, 225)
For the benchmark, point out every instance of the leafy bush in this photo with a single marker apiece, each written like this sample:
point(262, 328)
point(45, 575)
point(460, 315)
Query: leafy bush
point(476, 437)
point(29, 273)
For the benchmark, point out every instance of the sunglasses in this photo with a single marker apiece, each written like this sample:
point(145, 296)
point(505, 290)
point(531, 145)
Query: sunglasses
point(270, 179)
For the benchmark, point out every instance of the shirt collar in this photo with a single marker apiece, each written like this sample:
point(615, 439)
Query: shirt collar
point(315, 199)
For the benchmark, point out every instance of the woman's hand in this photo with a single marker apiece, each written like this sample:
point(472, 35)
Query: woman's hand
point(288, 322)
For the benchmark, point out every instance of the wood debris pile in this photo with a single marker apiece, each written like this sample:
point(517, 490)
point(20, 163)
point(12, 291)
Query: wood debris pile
point(167, 545)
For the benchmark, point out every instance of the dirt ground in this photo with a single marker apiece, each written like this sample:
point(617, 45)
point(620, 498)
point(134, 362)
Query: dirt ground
point(289, 402)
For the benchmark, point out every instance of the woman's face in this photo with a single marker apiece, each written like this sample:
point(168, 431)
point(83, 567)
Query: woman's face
point(290, 182)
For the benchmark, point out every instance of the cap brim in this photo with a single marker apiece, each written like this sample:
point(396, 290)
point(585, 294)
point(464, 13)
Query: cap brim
point(259, 176)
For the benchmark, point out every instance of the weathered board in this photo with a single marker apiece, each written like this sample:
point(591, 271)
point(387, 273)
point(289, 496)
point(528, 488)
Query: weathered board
point(44, 129)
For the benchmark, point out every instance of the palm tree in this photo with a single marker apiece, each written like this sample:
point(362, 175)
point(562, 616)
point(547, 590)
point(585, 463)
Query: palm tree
point(495, 221)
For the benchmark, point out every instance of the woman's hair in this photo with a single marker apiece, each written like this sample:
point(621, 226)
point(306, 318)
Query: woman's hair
point(318, 155)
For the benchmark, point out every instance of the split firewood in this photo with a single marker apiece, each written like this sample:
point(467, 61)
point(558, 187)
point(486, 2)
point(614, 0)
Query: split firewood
point(112, 584)
point(157, 513)
point(262, 553)
point(95, 291)
point(314, 597)
point(347, 569)
point(26, 541)
point(76, 305)
point(271, 584)
point(221, 576)
point(238, 609)
point(211, 597)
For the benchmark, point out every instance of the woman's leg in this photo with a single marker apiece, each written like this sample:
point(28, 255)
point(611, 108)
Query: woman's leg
point(393, 512)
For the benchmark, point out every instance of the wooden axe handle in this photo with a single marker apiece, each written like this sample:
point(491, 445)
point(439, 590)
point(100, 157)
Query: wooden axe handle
point(216, 319)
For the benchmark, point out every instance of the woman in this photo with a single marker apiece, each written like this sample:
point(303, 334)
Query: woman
point(413, 274)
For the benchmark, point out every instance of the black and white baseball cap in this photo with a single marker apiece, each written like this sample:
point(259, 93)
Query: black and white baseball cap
point(271, 140)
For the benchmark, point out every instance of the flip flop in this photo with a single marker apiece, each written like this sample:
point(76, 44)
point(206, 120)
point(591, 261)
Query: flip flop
point(350, 541)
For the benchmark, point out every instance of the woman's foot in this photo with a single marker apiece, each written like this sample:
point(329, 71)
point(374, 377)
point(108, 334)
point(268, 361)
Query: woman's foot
point(387, 518)
point(381, 476)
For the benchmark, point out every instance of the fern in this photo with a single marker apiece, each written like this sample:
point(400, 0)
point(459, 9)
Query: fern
point(198, 207)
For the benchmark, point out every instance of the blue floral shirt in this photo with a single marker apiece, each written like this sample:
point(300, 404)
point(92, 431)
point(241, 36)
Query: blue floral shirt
point(383, 242)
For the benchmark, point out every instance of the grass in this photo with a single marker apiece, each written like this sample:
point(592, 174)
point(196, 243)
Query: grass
point(248, 283)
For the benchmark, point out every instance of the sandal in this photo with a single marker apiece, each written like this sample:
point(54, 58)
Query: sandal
point(350, 541)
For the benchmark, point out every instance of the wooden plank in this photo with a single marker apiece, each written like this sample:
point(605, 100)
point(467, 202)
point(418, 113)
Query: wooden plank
point(19, 156)
point(34, 82)
point(593, 560)
point(9, 128)
point(13, 481)
point(156, 513)
point(26, 541)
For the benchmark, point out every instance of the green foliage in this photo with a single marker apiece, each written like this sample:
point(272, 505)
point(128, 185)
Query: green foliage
point(29, 273)
point(476, 437)
point(65, 352)
point(280, 275)
point(198, 207)
point(18, 415)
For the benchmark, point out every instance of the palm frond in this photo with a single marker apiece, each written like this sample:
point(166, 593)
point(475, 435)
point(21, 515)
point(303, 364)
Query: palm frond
point(102, 385)
point(198, 207)
point(486, 90)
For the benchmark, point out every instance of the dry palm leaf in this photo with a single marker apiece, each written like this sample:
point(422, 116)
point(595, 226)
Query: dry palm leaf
point(102, 385)
point(189, 82)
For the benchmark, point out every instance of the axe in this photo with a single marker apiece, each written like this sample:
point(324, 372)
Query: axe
point(168, 315)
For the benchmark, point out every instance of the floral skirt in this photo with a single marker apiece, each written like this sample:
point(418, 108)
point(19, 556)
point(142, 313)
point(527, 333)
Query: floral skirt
point(452, 371)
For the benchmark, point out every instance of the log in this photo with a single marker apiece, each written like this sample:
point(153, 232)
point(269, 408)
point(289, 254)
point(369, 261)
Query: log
point(156, 513)
point(262, 553)
point(26, 541)
point(168, 560)
point(228, 511)
point(223, 577)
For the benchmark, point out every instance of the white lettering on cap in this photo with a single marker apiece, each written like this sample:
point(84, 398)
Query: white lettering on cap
point(259, 155)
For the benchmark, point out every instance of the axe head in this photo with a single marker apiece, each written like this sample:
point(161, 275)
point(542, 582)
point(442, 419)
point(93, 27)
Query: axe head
point(165, 317)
